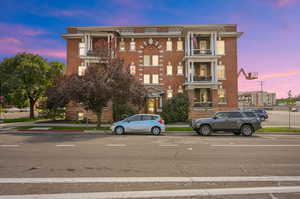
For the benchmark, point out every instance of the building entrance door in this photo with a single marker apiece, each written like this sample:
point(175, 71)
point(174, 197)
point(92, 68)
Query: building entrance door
point(151, 105)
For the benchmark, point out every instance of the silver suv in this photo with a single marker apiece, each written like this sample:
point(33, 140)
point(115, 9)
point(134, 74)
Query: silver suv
point(238, 122)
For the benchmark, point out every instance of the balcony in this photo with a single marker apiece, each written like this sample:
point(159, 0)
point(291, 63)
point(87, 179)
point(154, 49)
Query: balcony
point(197, 78)
point(202, 52)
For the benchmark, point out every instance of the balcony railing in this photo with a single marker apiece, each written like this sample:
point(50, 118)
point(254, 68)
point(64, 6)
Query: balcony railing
point(198, 104)
point(202, 52)
point(202, 78)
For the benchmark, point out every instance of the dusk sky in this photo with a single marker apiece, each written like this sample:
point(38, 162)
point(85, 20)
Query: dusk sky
point(270, 44)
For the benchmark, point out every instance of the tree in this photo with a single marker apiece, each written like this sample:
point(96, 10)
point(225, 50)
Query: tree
point(176, 109)
point(102, 82)
point(28, 75)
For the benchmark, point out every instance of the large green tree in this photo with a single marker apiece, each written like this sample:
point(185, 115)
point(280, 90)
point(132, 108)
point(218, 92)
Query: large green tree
point(27, 76)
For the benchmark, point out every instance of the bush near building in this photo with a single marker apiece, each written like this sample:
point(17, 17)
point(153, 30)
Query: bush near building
point(176, 109)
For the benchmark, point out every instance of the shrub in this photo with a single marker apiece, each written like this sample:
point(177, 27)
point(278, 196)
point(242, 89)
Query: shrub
point(121, 111)
point(176, 109)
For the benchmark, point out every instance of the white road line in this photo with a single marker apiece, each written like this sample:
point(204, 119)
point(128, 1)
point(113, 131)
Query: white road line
point(152, 179)
point(65, 145)
point(9, 145)
point(160, 193)
point(256, 145)
point(116, 145)
point(168, 145)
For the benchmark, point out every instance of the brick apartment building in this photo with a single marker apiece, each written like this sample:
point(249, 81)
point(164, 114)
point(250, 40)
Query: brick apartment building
point(200, 60)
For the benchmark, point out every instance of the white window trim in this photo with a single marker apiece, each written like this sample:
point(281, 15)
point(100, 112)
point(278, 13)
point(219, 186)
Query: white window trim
point(181, 66)
point(146, 75)
point(153, 59)
point(170, 91)
point(169, 66)
point(132, 69)
point(169, 43)
point(132, 43)
point(122, 42)
point(155, 75)
point(221, 78)
point(223, 49)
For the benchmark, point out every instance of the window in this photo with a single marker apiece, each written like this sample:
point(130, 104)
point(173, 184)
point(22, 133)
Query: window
point(132, 68)
point(147, 79)
point(81, 49)
point(147, 117)
point(169, 44)
point(179, 45)
point(146, 60)
point(169, 93)
point(80, 116)
point(235, 115)
point(155, 60)
point(203, 71)
point(81, 70)
point(135, 118)
point(155, 79)
point(169, 69)
point(250, 114)
point(222, 95)
point(180, 89)
point(221, 72)
point(203, 45)
point(222, 115)
point(179, 69)
point(132, 45)
point(221, 47)
point(122, 45)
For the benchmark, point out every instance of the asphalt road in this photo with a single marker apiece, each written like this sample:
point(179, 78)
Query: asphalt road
point(46, 163)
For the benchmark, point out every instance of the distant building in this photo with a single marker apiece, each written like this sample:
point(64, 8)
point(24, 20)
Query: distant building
point(256, 99)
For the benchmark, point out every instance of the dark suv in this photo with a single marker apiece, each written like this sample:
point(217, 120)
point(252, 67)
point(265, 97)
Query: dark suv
point(238, 122)
point(262, 113)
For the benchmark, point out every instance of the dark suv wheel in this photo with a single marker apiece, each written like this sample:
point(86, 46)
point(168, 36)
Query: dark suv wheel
point(247, 130)
point(205, 130)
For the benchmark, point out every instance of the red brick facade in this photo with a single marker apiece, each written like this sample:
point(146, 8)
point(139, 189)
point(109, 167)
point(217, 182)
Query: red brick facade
point(153, 41)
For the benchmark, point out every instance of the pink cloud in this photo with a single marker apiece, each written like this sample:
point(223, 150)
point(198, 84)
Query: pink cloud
point(283, 74)
point(280, 83)
point(284, 3)
point(9, 40)
point(17, 29)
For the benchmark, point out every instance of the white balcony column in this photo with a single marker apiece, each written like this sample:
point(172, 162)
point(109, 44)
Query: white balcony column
point(188, 44)
point(193, 71)
point(215, 75)
point(192, 44)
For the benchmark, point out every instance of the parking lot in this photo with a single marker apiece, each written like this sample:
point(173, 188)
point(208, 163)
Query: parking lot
point(138, 164)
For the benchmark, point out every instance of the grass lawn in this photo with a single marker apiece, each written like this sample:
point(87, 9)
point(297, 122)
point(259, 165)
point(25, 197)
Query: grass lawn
point(24, 119)
point(279, 129)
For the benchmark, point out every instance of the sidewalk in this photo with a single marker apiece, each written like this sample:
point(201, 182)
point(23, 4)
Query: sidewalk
point(44, 124)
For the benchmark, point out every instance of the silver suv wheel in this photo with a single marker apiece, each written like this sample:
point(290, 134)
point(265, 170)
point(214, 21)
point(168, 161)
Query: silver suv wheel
point(119, 130)
point(247, 130)
point(205, 130)
point(155, 130)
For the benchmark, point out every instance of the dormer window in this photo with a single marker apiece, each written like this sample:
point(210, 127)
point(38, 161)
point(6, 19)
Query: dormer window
point(169, 44)
point(132, 45)
point(122, 45)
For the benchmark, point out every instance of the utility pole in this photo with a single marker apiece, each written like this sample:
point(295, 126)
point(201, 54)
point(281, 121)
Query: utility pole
point(290, 106)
